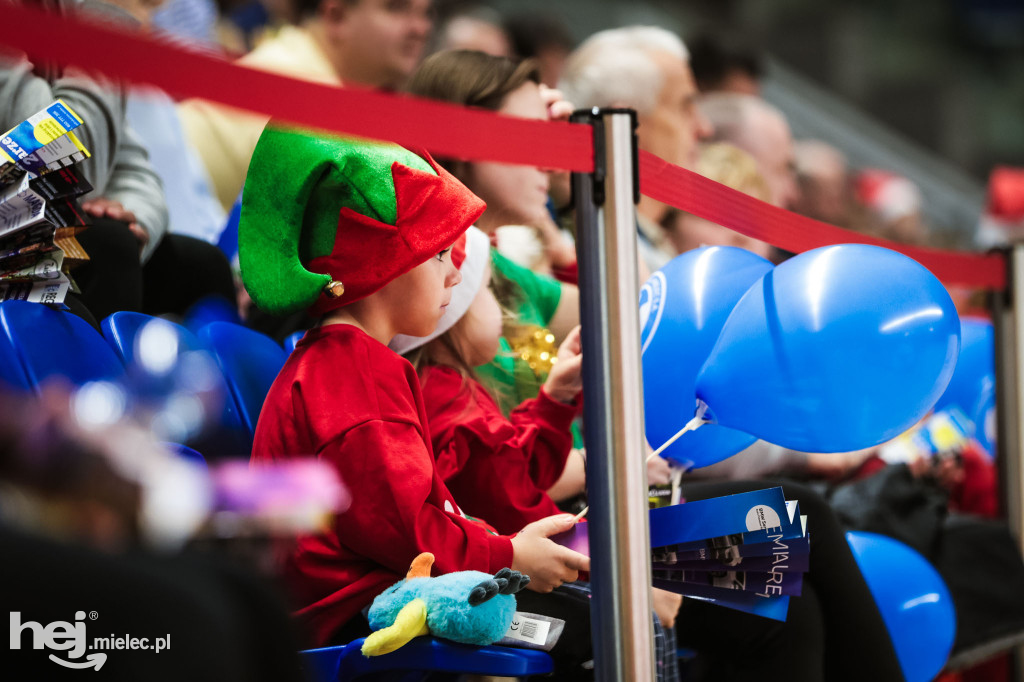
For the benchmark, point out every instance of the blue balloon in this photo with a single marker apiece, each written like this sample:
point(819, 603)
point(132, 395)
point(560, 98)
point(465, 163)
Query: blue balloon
point(682, 309)
point(984, 417)
point(914, 602)
point(837, 349)
point(972, 387)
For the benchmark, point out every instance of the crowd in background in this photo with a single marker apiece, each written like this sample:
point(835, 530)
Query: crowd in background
point(168, 175)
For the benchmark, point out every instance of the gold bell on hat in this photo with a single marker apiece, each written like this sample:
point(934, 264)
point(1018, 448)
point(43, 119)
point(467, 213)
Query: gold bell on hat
point(334, 289)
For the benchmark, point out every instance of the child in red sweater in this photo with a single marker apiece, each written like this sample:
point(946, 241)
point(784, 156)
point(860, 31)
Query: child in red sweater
point(361, 234)
point(498, 468)
point(502, 468)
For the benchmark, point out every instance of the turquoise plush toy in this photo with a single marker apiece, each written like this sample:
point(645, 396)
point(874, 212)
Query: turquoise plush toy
point(467, 606)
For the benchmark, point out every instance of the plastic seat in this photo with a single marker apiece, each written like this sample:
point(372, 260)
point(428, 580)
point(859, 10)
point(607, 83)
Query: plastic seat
point(208, 310)
point(228, 435)
point(423, 656)
point(40, 342)
point(292, 340)
point(250, 362)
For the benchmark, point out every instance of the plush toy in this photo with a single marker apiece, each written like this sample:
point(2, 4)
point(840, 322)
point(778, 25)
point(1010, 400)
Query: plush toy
point(466, 606)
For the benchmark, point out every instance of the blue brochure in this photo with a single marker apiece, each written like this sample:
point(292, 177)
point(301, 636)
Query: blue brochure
point(775, 608)
point(763, 583)
point(799, 550)
point(741, 519)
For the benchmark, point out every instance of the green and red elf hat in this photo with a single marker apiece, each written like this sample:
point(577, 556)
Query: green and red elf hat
point(327, 221)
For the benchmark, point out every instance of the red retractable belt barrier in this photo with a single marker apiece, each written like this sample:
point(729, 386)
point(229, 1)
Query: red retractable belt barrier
point(712, 201)
point(444, 129)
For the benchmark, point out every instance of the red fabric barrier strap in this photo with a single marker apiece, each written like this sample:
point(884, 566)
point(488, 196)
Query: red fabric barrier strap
point(695, 194)
point(444, 129)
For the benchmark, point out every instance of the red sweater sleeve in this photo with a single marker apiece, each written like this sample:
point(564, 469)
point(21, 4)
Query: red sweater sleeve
point(400, 507)
point(553, 439)
point(485, 459)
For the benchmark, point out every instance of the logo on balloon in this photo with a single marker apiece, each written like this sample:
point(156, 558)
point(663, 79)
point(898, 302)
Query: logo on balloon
point(652, 306)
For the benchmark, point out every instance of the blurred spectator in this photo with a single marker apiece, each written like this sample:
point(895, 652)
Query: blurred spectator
point(761, 130)
point(192, 22)
point(894, 203)
point(73, 501)
point(133, 265)
point(477, 28)
point(371, 42)
point(118, 168)
point(646, 68)
point(543, 37)
point(821, 172)
point(192, 208)
point(1003, 220)
point(719, 65)
point(733, 168)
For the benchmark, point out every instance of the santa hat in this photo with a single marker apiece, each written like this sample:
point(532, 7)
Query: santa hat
point(1006, 194)
point(889, 195)
point(473, 269)
point(326, 221)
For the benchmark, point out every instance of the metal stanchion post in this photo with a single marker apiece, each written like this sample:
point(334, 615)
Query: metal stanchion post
point(605, 203)
point(1008, 316)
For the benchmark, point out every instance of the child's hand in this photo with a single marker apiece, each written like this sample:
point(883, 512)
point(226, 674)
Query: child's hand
point(666, 605)
point(659, 471)
point(565, 380)
point(546, 562)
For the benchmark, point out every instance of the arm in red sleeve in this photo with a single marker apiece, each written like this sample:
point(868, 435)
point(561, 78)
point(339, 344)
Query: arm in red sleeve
point(543, 428)
point(400, 506)
point(495, 484)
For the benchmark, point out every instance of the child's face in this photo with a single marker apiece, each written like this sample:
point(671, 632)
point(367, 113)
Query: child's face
point(478, 332)
point(416, 300)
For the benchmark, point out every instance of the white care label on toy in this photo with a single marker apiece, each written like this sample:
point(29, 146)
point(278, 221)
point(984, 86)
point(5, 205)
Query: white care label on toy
point(533, 631)
point(525, 628)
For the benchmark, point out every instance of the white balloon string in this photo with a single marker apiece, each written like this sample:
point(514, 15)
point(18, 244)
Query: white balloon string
point(690, 426)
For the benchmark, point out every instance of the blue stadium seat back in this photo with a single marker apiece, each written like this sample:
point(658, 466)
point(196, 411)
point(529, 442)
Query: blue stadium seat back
point(121, 330)
point(210, 309)
point(50, 342)
point(250, 362)
point(226, 434)
point(425, 655)
point(292, 340)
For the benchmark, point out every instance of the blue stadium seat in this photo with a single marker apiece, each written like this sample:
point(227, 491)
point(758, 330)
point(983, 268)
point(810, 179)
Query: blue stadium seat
point(210, 309)
point(250, 362)
point(225, 435)
point(40, 342)
point(292, 340)
point(423, 656)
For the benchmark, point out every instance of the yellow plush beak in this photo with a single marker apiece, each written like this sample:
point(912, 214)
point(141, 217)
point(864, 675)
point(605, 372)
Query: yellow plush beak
point(410, 622)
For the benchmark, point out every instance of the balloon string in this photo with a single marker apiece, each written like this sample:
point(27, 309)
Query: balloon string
point(690, 426)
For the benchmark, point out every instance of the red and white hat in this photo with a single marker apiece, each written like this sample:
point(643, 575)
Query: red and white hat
point(889, 195)
point(473, 268)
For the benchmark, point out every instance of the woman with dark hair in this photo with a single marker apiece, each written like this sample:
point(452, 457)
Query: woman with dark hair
point(515, 194)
